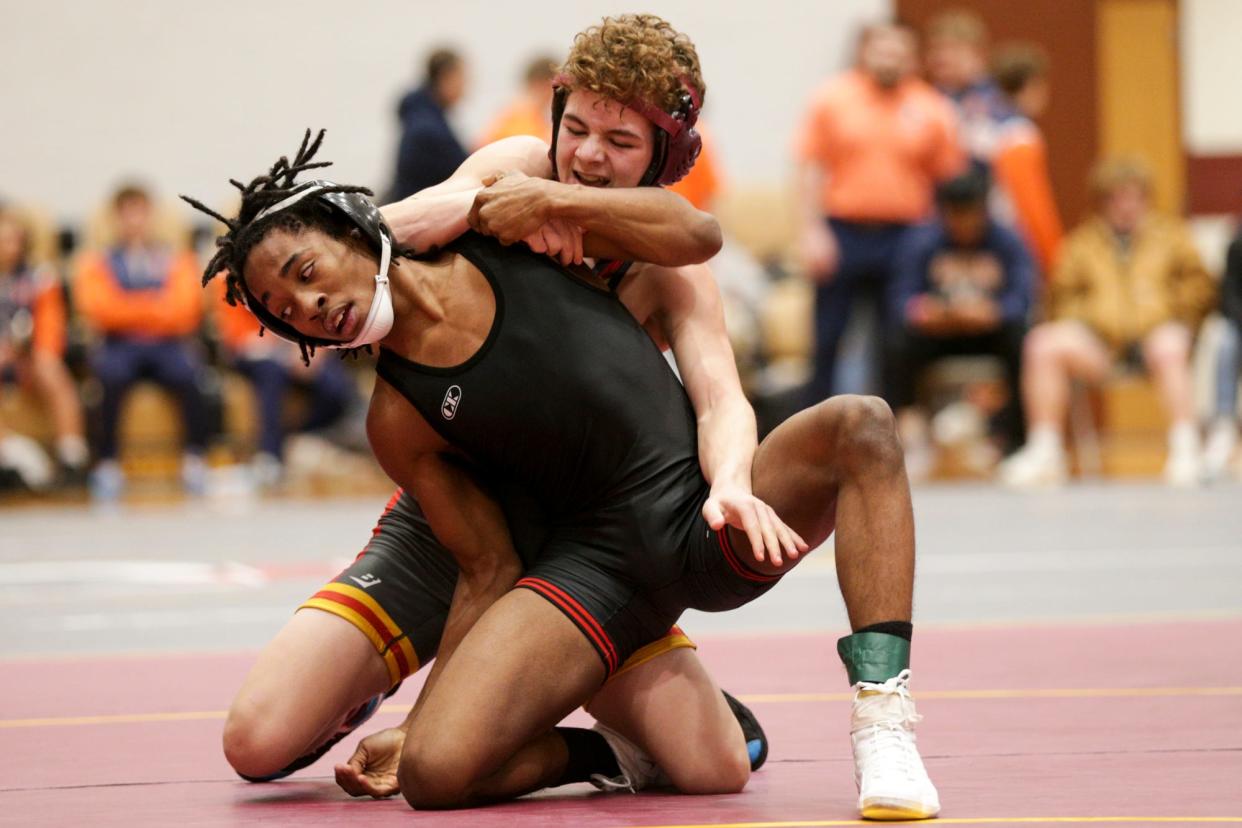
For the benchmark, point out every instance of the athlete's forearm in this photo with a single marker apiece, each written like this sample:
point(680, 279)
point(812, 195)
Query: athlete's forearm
point(644, 224)
point(437, 215)
point(471, 598)
point(728, 437)
point(431, 218)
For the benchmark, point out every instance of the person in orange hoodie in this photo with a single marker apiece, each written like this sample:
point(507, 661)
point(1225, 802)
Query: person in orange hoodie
point(32, 349)
point(144, 301)
point(1024, 196)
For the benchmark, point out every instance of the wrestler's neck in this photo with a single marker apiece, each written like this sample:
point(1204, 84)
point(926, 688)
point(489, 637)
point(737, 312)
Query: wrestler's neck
point(422, 298)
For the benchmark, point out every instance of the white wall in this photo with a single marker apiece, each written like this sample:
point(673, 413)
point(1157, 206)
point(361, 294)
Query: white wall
point(1211, 71)
point(187, 94)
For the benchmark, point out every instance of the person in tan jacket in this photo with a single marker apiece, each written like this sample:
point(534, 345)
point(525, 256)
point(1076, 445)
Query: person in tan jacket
point(1129, 288)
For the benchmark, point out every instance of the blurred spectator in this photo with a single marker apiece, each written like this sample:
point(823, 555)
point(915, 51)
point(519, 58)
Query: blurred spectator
point(429, 151)
point(702, 185)
point(957, 64)
point(1223, 437)
point(32, 348)
point(272, 366)
point(964, 284)
point(875, 141)
point(145, 302)
point(1129, 288)
point(531, 112)
point(1023, 197)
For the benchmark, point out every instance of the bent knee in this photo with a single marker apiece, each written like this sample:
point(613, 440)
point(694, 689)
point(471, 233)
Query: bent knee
point(253, 746)
point(433, 783)
point(863, 431)
point(724, 774)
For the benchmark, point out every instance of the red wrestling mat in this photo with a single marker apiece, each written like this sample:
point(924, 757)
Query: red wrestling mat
point(1133, 724)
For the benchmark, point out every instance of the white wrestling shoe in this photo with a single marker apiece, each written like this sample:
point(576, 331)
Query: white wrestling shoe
point(892, 782)
point(638, 771)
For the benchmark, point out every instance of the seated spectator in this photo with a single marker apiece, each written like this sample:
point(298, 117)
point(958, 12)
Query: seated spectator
point(144, 301)
point(1129, 288)
point(1023, 196)
point(32, 348)
point(531, 112)
point(964, 284)
point(272, 366)
point(429, 150)
point(1223, 437)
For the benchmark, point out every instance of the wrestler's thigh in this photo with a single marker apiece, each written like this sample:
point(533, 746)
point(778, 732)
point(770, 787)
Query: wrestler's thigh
point(522, 668)
point(312, 674)
point(673, 708)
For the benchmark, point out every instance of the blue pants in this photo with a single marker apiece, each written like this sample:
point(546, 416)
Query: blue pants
point(331, 390)
point(1228, 366)
point(120, 362)
point(866, 265)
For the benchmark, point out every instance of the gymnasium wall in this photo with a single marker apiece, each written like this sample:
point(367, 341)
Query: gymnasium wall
point(186, 94)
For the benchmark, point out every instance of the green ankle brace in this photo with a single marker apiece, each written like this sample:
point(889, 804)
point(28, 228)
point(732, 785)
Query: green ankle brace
point(873, 657)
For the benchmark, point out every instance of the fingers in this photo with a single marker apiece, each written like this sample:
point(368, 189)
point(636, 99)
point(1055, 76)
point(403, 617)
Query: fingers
point(713, 514)
point(489, 180)
point(537, 243)
point(347, 780)
point(764, 516)
point(750, 525)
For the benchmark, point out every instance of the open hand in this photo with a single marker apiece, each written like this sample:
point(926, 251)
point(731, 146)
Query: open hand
point(768, 534)
point(372, 770)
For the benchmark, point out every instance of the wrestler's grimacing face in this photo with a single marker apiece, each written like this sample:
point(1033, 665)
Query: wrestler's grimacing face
point(602, 143)
point(320, 285)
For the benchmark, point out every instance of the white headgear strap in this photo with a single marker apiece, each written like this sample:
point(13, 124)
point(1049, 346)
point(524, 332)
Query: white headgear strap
point(380, 316)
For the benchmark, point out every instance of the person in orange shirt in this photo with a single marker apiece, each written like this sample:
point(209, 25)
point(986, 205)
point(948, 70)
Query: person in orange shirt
point(32, 349)
point(1023, 197)
point(145, 303)
point(272, 365)
point(531, 112)
point(703, 183)
point(874, 143)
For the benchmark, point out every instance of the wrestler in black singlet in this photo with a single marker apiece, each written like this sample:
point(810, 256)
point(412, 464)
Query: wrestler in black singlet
point(569, 400)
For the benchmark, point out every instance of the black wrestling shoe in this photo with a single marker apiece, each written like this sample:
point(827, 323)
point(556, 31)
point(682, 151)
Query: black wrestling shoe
point(354, 721)
point(756, 739)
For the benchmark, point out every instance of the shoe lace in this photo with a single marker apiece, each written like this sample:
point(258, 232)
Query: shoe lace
point(884, 732)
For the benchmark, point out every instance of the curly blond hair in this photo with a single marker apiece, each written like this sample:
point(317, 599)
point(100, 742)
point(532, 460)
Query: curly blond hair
point(635, 57)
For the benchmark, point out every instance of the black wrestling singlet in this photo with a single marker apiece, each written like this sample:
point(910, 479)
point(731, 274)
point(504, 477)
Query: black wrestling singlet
point(569, 399)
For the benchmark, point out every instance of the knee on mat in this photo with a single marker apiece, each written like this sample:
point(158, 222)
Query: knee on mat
point(863, 432)
point(253, 743)
point(434, 780)
point(715, 772)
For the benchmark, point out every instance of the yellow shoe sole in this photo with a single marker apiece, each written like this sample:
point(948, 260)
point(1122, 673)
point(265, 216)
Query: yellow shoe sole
point(888, 811)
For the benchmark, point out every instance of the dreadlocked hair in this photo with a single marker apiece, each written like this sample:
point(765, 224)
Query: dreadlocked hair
point(246, 230)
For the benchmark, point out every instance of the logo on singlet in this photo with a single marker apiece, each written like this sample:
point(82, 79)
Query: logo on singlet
point(366, 581)
point(452, 399)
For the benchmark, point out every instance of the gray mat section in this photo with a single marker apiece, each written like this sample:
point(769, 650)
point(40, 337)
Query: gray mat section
point(192, 576)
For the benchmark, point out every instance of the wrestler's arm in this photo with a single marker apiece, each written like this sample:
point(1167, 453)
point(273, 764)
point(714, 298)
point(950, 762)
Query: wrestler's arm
point(690, 314)
point(634, 224)
point(643, 224)
point(465, 518)
point(435, 216)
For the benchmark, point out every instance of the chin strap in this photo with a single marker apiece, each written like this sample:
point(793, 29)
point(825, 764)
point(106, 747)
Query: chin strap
point(380, 316)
